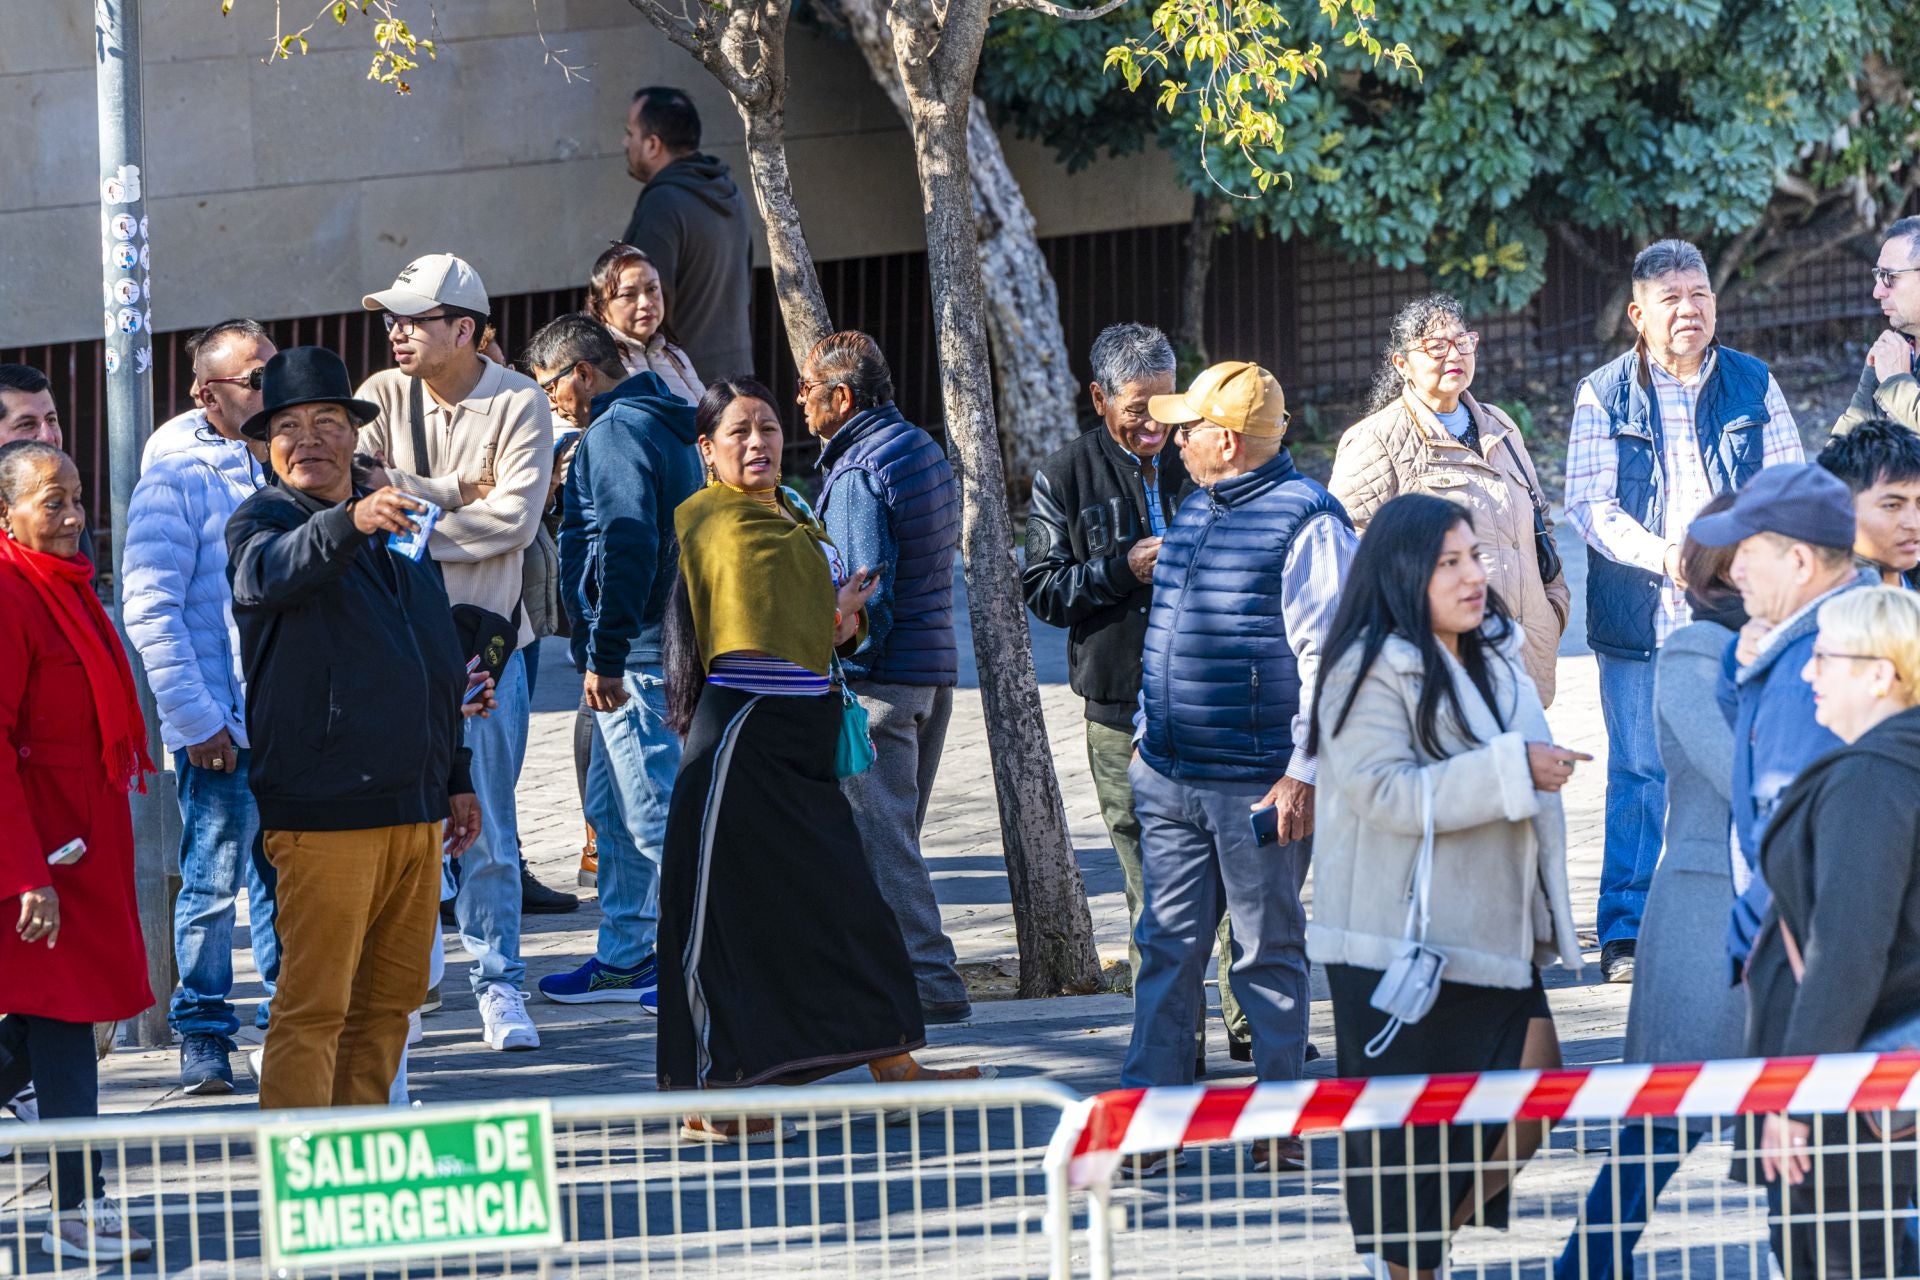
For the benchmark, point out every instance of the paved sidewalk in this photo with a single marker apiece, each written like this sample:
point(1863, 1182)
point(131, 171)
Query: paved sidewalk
point(1079, 1041)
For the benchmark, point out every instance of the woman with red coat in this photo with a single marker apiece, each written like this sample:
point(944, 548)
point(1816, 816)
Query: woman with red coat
point(72, 741)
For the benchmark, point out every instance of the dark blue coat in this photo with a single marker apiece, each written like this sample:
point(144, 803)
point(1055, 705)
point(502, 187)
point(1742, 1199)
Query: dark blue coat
point(635, 464)
point(1730, 420)
point(1219, 684)
point(890, 502)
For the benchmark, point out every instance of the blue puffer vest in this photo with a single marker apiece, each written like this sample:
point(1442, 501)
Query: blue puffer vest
point(1218, 681)
point(918, 485)
point(1730, 420)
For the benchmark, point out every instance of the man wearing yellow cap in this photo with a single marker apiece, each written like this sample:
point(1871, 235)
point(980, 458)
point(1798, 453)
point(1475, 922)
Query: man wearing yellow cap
point(1244, 592)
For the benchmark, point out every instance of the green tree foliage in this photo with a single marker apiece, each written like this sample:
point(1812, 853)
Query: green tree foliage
point(1767, 130)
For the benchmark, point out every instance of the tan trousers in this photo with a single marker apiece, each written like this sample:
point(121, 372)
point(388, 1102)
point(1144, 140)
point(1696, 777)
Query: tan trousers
point(356, 912)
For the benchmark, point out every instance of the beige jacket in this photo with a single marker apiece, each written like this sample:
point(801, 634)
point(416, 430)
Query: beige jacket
point(500, 435)
point(1405, 449)
point(667, 360)
point(1499, 900)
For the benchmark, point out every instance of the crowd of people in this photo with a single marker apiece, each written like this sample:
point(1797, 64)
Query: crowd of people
point(337, 595)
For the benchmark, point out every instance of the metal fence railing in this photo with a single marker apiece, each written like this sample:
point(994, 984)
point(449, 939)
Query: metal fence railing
point(860, 1180)
point(1570, 1174)
point(1441, 1174)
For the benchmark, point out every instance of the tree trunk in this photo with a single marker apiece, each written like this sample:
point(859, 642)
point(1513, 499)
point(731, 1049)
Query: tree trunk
point(1049, 898)
point(1202, 235)
point(795, 281)
point(1033, 382)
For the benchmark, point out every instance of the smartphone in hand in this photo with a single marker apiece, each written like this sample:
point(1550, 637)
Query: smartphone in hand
point(1266, 825)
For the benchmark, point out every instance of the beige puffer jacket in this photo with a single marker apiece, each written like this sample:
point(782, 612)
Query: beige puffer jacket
point(1405, 449)
point(1500, 903)
point(667, 360)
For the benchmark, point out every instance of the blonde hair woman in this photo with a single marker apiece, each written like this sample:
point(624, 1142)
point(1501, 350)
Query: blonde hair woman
point(1837, 964)
point(624, 294)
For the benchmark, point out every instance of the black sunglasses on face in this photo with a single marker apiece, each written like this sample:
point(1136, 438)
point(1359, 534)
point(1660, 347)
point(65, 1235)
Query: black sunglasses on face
point(253, 379)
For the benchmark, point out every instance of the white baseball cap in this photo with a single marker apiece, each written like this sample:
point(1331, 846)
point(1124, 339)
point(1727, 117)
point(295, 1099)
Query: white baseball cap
point(437, 279)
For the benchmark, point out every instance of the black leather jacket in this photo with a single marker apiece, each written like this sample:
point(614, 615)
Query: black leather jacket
point(1089, 507)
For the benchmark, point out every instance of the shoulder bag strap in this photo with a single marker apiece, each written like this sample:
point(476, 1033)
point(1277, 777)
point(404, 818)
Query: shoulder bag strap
point(417, 422)
point(1526, 476)
point(1420, 887)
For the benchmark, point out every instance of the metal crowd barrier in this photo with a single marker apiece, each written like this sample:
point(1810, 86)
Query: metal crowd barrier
point(980, 1179)
point(870, 1180)
point(1572, 1212)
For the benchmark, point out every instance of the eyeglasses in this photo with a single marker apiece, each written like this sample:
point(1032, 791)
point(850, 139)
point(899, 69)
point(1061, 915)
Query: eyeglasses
point(1437, 348)
point(410, 324)
point(1821, 658)
point(1184, 432)
point(807, 385)
point(253, 379)
point(550, 383)
point(1884, 276)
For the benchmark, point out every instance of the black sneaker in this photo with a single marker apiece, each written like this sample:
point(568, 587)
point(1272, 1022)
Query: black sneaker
point(538, 900)
point(1616, 960)
point(204, 1068)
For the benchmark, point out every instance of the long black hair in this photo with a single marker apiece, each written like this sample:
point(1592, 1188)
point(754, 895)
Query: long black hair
point(680, 644)
point(1386, 594)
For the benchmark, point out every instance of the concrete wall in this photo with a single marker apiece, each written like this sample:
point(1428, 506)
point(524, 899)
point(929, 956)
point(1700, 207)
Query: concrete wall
point(291, 189)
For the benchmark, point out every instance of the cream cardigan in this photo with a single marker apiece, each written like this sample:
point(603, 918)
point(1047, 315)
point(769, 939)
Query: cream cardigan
point(1499, 898)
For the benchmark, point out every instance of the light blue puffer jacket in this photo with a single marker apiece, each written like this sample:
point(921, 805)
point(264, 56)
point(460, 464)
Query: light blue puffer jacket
point(179, 612)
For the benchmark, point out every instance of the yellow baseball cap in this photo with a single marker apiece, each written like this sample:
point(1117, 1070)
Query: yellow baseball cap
point(1237, 395)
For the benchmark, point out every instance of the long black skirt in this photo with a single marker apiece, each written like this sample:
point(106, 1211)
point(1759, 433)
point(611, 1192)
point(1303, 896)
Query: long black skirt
point(1399, 1203)
point(779, 960)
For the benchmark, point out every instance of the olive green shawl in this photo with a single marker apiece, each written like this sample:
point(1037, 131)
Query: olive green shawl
point(756, 580)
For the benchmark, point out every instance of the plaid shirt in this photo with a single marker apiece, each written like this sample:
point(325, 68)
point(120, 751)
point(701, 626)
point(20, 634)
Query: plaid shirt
point(1593, 502)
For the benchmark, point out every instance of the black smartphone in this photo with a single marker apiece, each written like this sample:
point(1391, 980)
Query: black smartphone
point(1266, 825)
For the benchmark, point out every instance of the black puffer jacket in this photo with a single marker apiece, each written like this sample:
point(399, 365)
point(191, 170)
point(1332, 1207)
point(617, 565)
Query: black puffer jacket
point(354, 670)
point(1089, 507)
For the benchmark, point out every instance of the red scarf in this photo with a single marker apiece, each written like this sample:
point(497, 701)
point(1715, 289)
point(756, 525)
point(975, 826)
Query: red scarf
point(64, 585)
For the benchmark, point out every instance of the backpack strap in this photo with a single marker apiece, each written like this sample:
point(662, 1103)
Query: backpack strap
point(417, 422)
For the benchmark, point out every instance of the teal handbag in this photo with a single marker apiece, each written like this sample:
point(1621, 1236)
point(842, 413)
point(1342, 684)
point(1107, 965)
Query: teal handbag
point(853, 753)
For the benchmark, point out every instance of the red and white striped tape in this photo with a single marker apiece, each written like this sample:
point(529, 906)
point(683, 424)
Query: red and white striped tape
point(1132, 1121)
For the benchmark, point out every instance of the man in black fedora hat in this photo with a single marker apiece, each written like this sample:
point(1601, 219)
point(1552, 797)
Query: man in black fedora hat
point(356, 683)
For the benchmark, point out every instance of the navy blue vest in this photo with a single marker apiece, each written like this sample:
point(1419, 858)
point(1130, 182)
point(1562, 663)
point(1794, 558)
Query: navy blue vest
point(917, 483)
point(1730, 419)
point(1218, 677)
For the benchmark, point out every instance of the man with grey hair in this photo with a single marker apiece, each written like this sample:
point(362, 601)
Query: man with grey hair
point(1656, 433)
point(635, 463)
point(1098, 509)
point(891, 504)
point(1887, 386)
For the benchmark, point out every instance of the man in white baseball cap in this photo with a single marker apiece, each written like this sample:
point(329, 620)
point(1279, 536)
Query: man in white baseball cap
point(476, 438)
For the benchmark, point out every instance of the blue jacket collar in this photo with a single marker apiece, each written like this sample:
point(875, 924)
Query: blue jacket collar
point(857, 428)
point(1238, 490)
point(1804, 622)
point(647, 393)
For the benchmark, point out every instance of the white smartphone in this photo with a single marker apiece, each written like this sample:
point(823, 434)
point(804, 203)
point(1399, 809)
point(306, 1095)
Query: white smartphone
point(68, 853)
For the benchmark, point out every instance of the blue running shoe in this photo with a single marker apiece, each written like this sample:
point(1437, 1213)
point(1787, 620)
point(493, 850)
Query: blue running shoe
point(596, 983)
point(204, 1068)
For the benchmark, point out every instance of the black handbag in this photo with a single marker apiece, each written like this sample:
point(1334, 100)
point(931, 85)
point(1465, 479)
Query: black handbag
point(487, 636)
point(1543, 545)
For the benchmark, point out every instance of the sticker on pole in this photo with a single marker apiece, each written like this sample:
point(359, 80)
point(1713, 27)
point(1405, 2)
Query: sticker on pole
point(424, 1182)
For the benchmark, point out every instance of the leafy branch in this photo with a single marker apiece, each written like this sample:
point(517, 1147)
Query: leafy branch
point(396, 45)
point(1245, 67)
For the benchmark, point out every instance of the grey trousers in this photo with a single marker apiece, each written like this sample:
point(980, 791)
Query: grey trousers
point(1108, 752)
point(1197, 853)
point(909, 727)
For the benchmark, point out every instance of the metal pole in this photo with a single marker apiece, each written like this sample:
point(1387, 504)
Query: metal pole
point(127, 272)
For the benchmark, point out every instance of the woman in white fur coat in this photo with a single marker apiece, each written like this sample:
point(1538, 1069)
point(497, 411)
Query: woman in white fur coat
point(1425, 716)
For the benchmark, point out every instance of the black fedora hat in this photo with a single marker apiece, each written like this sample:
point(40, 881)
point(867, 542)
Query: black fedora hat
point(306, 375)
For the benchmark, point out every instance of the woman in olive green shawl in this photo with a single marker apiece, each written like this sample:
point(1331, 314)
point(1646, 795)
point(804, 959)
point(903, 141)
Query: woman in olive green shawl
point(779, 960)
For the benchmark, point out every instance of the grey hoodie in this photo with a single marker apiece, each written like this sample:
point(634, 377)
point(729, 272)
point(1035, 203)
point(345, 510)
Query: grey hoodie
point(692, 221)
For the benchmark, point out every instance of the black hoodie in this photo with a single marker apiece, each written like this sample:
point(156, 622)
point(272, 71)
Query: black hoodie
point(692, 221)
point(1842, 855)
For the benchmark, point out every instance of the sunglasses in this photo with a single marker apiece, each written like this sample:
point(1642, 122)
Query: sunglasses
point(253, 379)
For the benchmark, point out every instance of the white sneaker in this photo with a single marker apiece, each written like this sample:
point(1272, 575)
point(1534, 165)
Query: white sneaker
point(414, 1032)
point(504, 1020)
point(95, 1231)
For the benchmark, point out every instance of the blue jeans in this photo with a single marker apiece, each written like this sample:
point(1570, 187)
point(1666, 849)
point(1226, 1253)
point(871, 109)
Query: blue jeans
point(1636, 795)
point(488, 874)
point(1198, 859)
point(219, 842)
point(1605, 1237)
point(629, 783)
